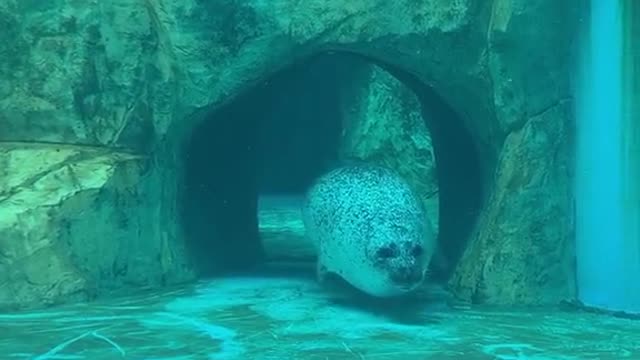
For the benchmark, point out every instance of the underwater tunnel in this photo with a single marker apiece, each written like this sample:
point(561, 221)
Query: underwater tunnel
point(275, 139)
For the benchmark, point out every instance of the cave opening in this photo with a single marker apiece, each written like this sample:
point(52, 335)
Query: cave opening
point(271, 142)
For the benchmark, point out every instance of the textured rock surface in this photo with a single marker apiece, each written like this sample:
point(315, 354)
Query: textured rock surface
point(525, 223)
point(384, 125)
point(139, 75)
point(523, 251)
point(80, 72)
point(75, 222)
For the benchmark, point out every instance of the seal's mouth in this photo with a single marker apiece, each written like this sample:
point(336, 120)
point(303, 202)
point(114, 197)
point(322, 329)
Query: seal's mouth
point(407, 278)
point(407, 287)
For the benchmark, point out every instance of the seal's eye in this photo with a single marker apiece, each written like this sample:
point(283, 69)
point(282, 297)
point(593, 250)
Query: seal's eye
point(386, 252)
point(417, 251)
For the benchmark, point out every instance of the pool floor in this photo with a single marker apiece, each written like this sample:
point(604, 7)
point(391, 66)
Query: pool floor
point(277, 317)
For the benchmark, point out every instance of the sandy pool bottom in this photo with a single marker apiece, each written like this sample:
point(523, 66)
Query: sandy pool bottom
point(284, 318)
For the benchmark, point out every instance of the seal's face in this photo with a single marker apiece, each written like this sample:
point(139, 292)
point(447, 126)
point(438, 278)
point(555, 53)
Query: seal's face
point(400, 266)
point(402, 261)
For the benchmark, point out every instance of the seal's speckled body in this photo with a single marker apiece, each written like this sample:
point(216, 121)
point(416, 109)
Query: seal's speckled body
point(369, 228)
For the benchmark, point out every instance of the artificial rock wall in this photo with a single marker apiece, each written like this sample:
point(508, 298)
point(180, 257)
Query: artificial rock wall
point(120, 84)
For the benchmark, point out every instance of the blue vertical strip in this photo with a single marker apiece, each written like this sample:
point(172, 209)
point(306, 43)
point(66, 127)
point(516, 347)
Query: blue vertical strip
point(599, 218)
point(631, 150)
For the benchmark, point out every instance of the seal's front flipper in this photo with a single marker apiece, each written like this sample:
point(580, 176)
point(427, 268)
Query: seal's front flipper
point(321, 272)
point(439, 266)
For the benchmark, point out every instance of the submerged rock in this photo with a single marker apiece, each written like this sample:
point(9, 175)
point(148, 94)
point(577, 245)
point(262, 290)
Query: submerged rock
point(76, 222)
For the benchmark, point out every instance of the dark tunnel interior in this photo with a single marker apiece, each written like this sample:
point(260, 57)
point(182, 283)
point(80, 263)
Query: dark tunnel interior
point(276, 138)
point(272, 140)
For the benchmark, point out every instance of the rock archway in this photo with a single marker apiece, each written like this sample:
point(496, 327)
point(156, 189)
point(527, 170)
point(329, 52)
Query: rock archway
point(96, 100)
point(319, 112)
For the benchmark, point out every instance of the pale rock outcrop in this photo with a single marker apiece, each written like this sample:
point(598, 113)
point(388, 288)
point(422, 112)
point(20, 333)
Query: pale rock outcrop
point(385, 125)
point(76, 221)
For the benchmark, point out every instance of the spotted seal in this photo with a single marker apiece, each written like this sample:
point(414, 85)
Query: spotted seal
point(369, 228)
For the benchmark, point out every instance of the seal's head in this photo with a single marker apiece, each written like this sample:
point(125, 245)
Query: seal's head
point(395, 260)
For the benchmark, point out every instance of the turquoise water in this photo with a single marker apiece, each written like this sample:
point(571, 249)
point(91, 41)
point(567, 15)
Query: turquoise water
point(134, 135)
